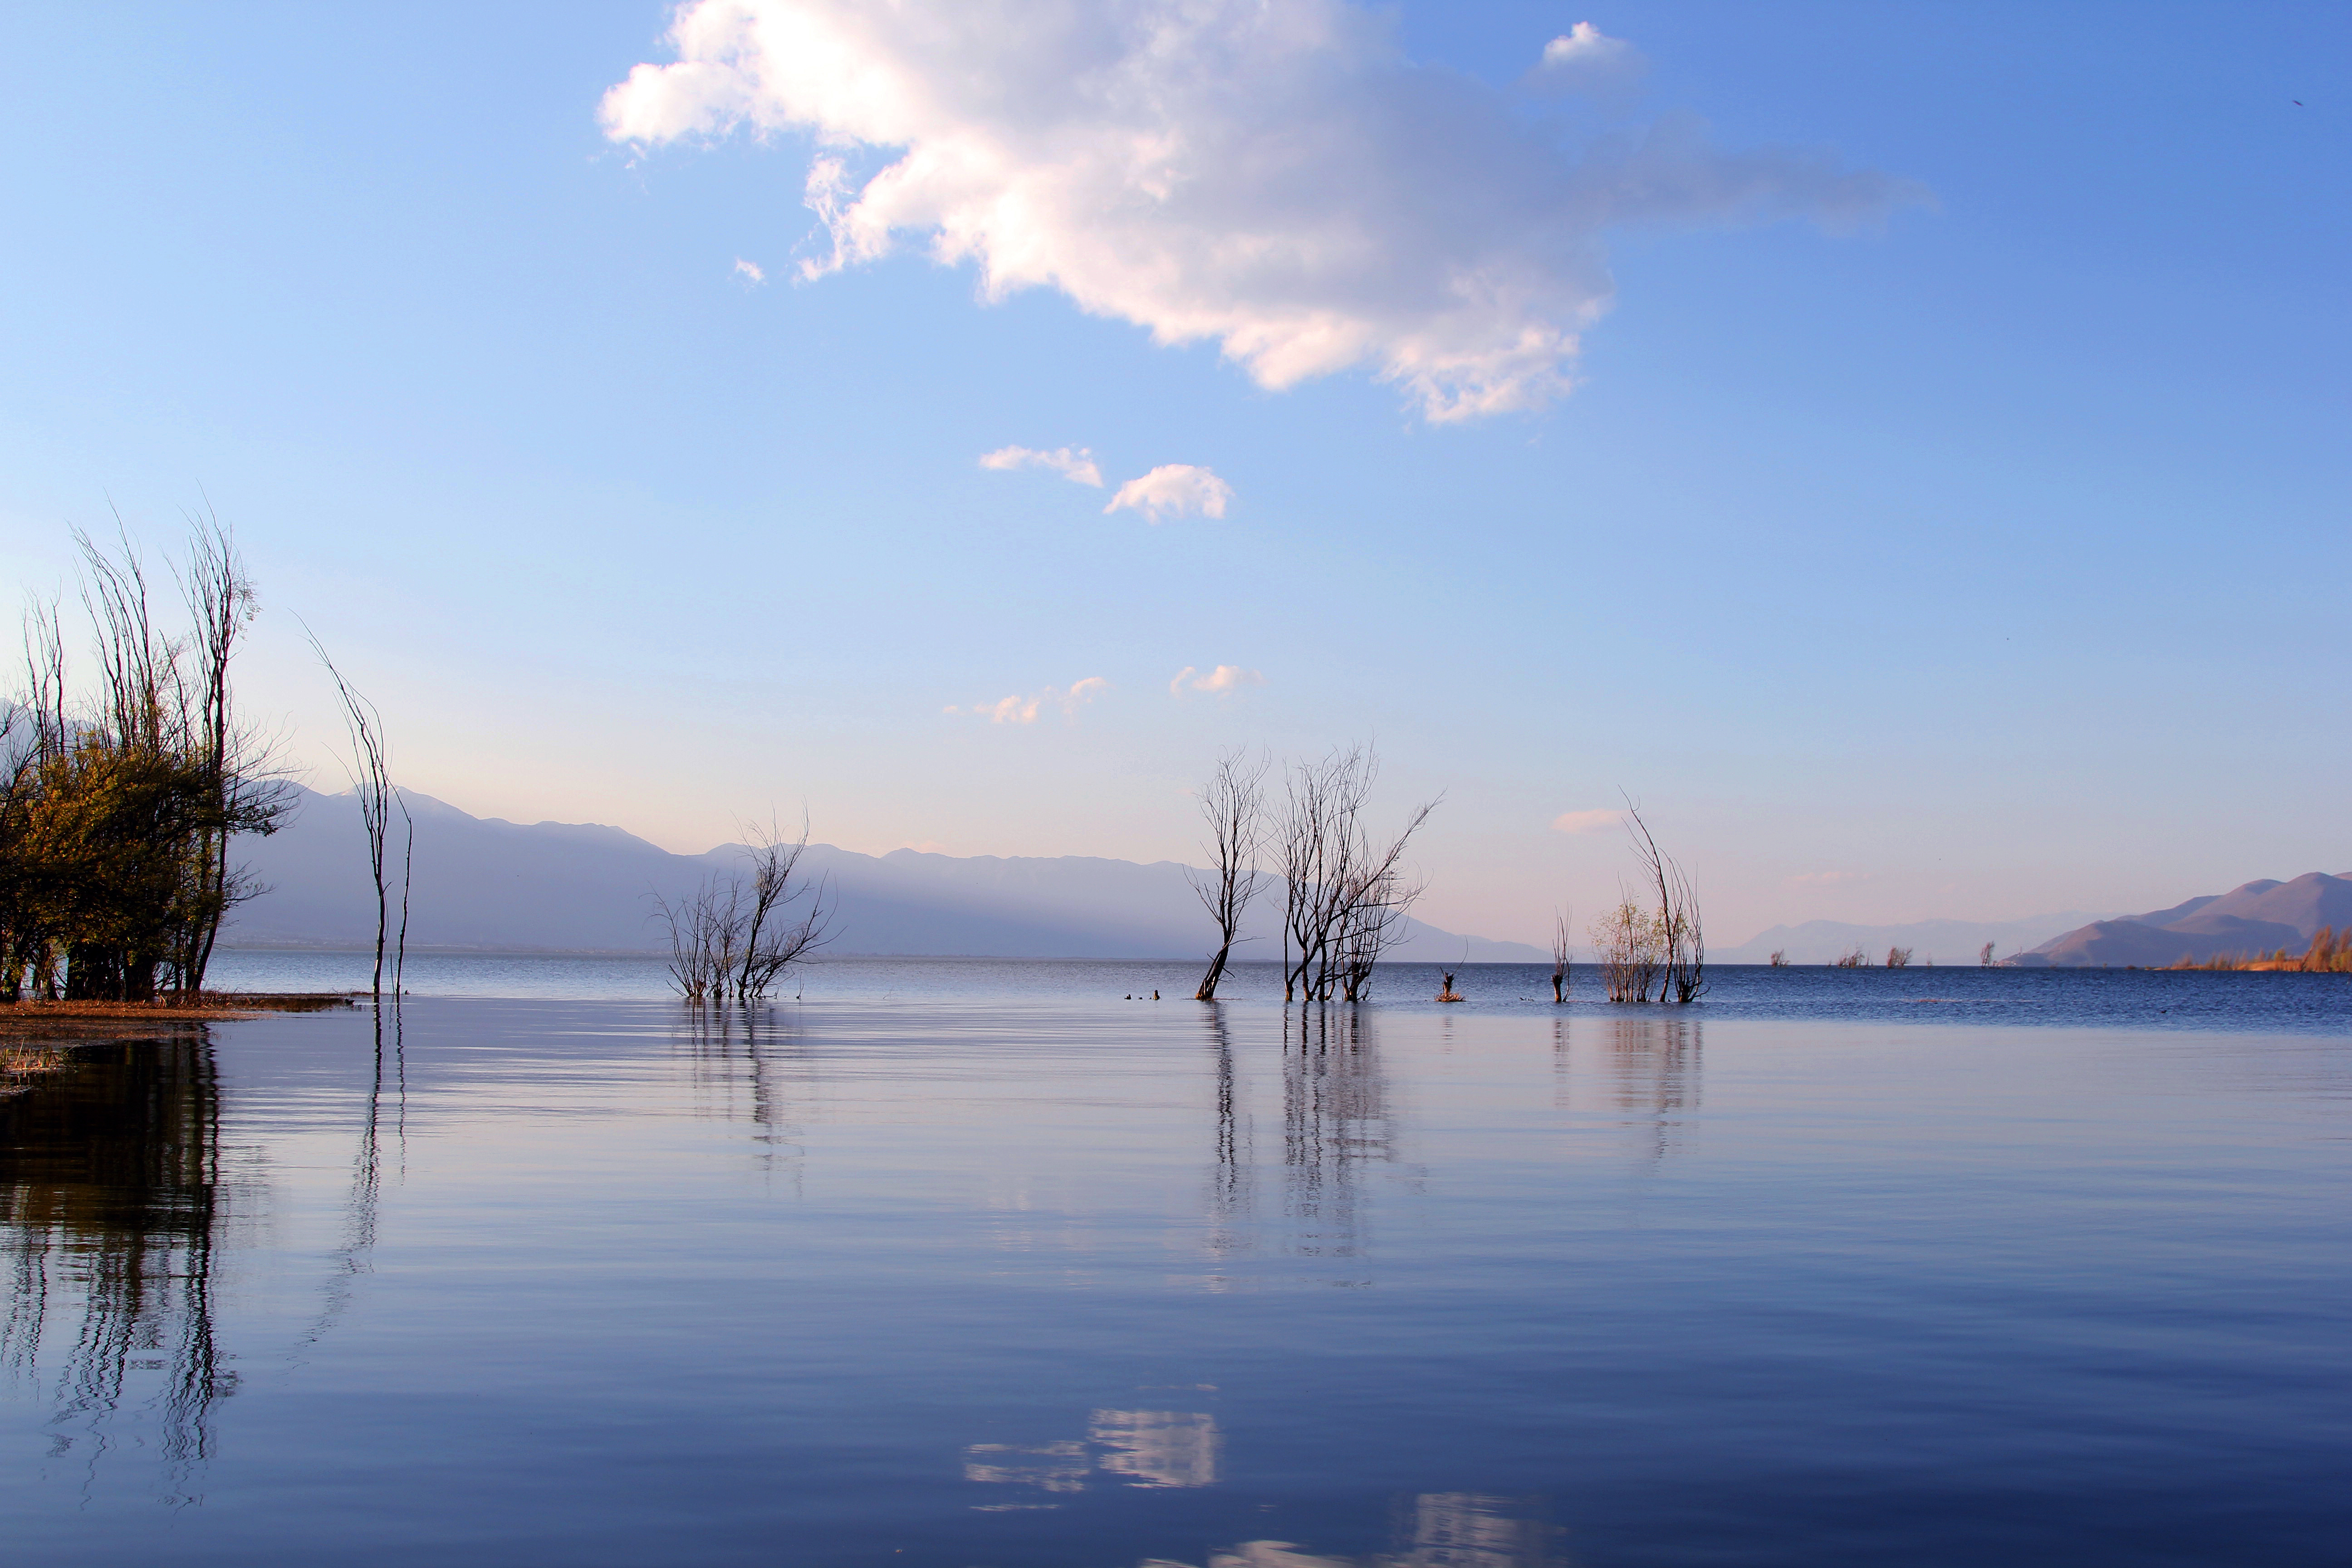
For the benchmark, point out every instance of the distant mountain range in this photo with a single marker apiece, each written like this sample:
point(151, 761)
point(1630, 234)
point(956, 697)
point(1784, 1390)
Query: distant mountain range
point(488, 885)
point(2256, 918)
point(1930, 941)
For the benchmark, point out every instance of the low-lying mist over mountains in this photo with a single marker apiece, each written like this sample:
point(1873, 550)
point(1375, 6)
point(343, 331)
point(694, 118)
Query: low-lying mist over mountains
point(485, 884)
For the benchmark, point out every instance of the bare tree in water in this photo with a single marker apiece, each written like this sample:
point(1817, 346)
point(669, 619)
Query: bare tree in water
point(1563, 922)
point(1344, 895)
point(1233, 805)
point(1680, 934)
point(1984, 956)
point(1632, 945)
point(379, 797)
point(734, 936)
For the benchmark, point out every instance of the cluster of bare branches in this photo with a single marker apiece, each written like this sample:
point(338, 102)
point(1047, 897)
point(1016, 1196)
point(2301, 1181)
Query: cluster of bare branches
point(117, 809)
point(371, 771)
point(1850, 959)
point(733, 936)
point(1681, 937)
point(1898, 958)
point(1984, 956)
point(1233, 805)
point(1779, 959)
point(1659, 947)
point(1631, 950)
point(1345, 894)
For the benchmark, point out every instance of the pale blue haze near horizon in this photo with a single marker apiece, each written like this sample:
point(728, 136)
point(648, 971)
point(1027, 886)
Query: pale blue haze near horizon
point(1985, 560)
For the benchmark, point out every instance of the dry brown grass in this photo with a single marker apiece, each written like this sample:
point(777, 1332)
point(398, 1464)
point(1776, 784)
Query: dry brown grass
point(72, 1022)
point(20, 1065)
point(2329, 953)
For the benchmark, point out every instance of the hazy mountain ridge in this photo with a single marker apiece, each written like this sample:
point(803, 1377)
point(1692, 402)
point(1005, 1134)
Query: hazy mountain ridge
point(2255, 917)
point(488, 884)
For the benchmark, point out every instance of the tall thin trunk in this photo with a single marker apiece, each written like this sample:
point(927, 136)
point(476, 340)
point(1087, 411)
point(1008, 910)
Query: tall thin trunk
point(407, 870)
point(1208, 990)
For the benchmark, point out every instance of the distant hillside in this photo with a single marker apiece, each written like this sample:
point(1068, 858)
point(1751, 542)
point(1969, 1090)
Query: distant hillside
point(557, 887)
point(1939, 942)
point(2255, 917)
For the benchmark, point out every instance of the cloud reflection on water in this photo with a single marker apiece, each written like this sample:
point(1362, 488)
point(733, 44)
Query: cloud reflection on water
point(1153, 1448)
point(1434, 1530)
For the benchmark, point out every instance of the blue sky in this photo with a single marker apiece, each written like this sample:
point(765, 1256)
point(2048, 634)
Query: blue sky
point(1980, 552)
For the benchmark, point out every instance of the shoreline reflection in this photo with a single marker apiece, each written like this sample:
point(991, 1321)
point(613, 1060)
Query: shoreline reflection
point(112, 1200)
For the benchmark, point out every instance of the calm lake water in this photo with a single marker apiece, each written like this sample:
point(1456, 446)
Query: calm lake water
point(965, 1264)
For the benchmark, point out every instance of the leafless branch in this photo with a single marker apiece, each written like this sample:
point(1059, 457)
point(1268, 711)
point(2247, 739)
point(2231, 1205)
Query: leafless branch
point(1233, 802)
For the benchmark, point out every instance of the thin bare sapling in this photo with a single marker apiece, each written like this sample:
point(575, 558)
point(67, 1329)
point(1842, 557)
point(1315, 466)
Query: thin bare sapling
point(370, 766)
point(1233, 804)
point(1563, 922)
point(1681, 934)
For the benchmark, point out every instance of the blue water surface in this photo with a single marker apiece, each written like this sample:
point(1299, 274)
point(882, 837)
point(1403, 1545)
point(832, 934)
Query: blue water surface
point(2133, 998)
point(924, 1269)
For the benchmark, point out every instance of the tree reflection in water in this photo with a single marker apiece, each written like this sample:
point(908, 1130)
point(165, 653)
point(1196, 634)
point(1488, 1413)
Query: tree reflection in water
point(1654, 1069)
point(1230, 1192)
point(1651, 1069)
point(1335, 1119)
point(356, 1254)
point(111, 1200)
point(746, 1066)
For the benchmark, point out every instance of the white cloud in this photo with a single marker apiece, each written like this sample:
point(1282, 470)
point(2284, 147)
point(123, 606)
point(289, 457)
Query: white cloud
point(1019, 710)
point(1075, 464)
point(1173, 489)
point(1586, 61)
point(1272, 175)
point(1587, 821)
point(1585, 47)
point(750, 272)
point(1224, 681)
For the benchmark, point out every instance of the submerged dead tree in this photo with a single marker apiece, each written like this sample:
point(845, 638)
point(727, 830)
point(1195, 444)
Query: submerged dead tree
point(732, 937)
point(1233, 805)
point(1631, 948)
point(1662, 946)
point(1681, 936)
point(379, 797)
point(1345, 894)
point(1563, 922)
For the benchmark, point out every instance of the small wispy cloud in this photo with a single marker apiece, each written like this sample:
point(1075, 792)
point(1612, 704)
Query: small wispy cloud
point(1587, 821)
point(1019, 710)
point(1075, 464)
point(749, 272)
point(1173, 489)
point(1224, 681)
point(1586, 47)
point(1588, 62)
